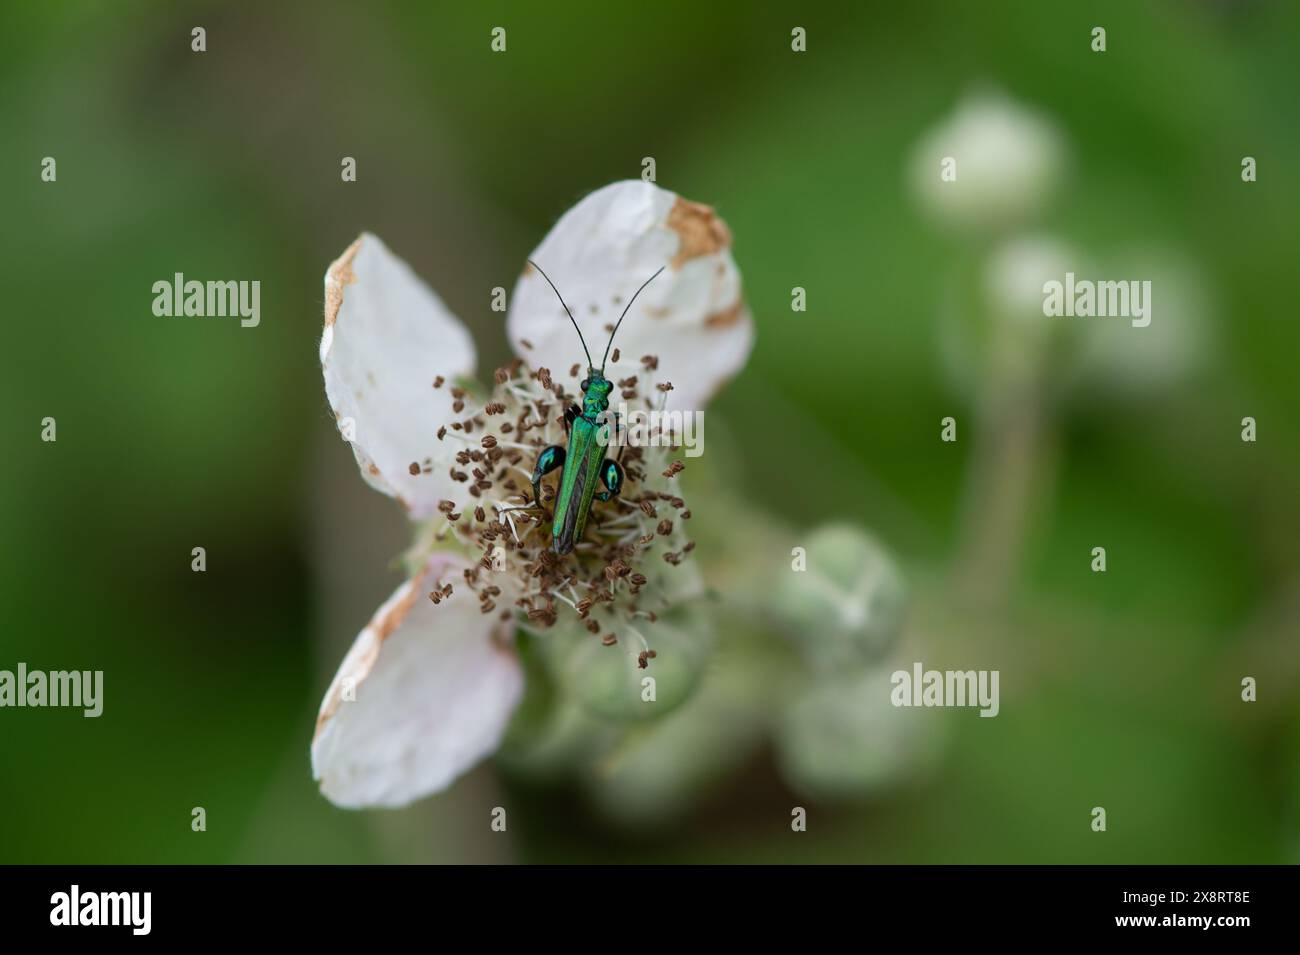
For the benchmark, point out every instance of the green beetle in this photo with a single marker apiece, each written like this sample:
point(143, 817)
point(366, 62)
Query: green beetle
point(584, 461)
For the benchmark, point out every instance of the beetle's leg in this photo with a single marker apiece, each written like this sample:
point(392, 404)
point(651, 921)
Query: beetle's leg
point(611, 475)
point(621, 438)
point(550, 459)
point(571, 414)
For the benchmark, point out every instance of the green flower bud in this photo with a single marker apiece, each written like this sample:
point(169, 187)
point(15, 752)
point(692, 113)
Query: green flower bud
point(842, 601)
point(843, 739)
point(660, 771)
point(1173, 340)
point(632, 680)
point(566, 739)
point(993, 164)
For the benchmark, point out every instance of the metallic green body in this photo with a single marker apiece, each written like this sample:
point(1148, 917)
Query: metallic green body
point(584, 459)
point(582, 467)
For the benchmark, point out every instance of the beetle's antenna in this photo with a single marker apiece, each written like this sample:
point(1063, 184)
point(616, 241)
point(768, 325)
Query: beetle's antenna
point(566, 308)
point(624, 315)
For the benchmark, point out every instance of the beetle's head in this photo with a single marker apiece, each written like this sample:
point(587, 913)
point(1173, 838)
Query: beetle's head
point(595, 392)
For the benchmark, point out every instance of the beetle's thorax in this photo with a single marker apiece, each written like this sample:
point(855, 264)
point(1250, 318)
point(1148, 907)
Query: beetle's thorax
point(595, 394)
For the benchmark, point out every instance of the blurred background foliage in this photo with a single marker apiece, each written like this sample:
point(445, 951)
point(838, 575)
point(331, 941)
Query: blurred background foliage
point(1119, 690)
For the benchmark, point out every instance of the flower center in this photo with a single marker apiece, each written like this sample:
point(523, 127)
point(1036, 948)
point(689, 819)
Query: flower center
point(615, 578)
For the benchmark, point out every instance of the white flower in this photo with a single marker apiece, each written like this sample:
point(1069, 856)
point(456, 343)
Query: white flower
point(1008, 162)
point(429, 686)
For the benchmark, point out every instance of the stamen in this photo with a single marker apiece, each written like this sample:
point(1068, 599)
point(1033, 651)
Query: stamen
point(608, 566)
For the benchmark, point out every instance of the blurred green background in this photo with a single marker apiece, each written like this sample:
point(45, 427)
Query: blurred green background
point(1118, 689)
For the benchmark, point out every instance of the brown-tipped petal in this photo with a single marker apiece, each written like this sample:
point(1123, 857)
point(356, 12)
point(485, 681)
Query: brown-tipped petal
point(425, 693)
point(692, 317)
point(387, 337)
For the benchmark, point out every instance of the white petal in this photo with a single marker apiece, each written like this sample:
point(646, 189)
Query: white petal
point(425, 693)
point(387, 337)
point(692, 317)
